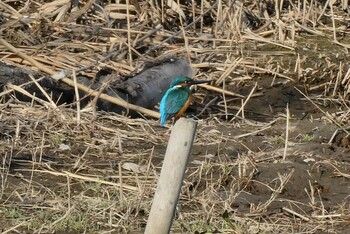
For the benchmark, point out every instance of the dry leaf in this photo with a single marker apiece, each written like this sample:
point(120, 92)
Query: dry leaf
point(134, 167)
point(175, 7)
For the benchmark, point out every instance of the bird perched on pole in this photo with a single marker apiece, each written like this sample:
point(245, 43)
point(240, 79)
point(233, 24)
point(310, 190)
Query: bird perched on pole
point(177, 98)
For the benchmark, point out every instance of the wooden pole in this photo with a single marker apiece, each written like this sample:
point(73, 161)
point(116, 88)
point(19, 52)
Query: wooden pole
point(171, 177)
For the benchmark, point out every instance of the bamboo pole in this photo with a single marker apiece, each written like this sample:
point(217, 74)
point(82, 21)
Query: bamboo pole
point(171, 177)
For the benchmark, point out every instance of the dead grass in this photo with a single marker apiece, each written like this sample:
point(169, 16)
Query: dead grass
point(76, 170)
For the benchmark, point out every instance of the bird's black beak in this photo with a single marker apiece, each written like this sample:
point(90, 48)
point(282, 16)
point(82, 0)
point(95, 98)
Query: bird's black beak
point(194, 82)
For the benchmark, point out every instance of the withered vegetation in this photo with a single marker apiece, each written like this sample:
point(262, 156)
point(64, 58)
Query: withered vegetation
point(273, 159)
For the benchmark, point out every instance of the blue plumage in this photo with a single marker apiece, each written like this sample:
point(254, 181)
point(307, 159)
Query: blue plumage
point(174, 99)
point(177, 98)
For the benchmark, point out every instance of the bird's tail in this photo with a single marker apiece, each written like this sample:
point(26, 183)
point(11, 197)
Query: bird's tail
point(163, 119)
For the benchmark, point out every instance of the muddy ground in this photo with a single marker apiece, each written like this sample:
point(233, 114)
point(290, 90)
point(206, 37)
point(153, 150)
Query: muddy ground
point(96, 172)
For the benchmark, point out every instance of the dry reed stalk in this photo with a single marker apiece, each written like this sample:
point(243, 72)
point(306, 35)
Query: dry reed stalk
point(129, 34)
point(327, 115)
point(275, 191)
point(311, 31)
point(77, 97)
point(68, 212)
point(261, 39)
point(86, 178)
point(229, 70)
point(287, 133)
point(14, 228)
point(26, 93)
point(180, 31)
point(333, 21)
point(303, 217)
point(121, 192)
point(43, 91)
point(270, 71)
point(246, 101)
point(184, 34)
point(69, 195)
point(252, 133)
point(297, 67)
point(337, 81)
point(219, 90)
point(224, 100)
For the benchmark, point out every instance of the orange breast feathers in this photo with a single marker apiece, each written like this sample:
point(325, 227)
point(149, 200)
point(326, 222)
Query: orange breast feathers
point(184, 107)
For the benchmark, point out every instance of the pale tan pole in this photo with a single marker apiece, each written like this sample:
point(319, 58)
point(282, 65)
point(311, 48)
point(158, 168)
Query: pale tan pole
point(171, 177)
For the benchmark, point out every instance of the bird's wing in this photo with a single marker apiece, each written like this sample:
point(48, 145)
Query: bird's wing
point(175, 100)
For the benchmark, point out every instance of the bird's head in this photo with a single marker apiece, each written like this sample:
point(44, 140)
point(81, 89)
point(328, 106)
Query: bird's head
point(184, 81)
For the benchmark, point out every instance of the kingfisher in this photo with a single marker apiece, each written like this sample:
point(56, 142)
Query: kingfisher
point(177, 98)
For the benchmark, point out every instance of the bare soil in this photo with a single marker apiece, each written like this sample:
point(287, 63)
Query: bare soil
point(273, 161)
point(236, 178)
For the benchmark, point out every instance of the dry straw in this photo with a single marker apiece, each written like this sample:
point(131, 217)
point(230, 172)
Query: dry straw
point(74, 169)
